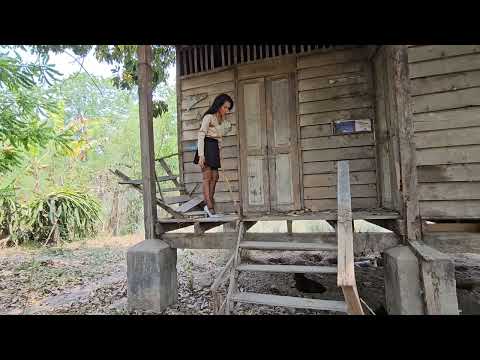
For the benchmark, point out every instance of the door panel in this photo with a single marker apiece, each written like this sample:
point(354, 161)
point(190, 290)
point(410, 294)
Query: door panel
point(253, 146)
point(269, 144)
point(282, 143)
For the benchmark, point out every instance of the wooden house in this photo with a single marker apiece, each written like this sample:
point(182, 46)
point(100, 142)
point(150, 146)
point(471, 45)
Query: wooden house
point(405, 118)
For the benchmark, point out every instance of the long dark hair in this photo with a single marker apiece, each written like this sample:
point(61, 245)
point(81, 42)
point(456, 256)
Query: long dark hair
point(218, 103)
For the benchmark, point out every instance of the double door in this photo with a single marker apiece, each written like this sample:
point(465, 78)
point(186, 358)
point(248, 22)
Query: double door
point(269, 144)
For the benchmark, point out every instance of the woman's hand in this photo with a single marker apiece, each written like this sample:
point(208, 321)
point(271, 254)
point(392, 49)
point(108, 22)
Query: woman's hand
point(201, 162)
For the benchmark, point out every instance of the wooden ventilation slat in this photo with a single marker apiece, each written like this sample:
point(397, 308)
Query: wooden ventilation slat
point(222, 49)
point(195, 59)
point(202, 68)
point(190, 62)
point(184, 61)
point(235, 61)
point(248, 52)
point(261, 51)
point(254, 52)
point(205, 50)
point(212, 62)
point(267, 51)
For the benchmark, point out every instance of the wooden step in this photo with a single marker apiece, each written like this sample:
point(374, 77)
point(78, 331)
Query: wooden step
point(176, 199)
point(189, 205)
point(167, 178)
point(288, 268)
point(290, 301)
point(274, 245)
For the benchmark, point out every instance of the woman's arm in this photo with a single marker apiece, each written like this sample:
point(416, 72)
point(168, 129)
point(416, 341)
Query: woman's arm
point(202, 132)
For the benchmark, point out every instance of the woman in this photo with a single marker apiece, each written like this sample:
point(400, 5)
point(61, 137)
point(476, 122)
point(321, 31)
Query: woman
point(208, 149)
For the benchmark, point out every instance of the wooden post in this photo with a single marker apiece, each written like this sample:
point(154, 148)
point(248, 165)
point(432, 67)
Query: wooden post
point(344, 229)
point(398, 56)
point(179, 121)
point(144, 53)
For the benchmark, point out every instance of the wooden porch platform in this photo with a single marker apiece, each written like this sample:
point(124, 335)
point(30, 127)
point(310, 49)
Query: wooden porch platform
point(373, 214)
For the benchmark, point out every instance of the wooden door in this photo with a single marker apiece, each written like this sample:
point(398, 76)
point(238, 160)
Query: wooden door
point(282, 143)
point(269, 144)
point(253, 146)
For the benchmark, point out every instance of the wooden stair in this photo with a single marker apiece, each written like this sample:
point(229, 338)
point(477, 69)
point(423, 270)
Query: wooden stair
point(288, 269)
point(290, 301)
point(344, 269)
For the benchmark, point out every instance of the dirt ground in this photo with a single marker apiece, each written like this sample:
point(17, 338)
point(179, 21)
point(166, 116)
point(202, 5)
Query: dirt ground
point(90, 278)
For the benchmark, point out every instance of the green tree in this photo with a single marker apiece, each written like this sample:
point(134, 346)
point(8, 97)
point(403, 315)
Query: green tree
point(123, 59)
point(23, 109)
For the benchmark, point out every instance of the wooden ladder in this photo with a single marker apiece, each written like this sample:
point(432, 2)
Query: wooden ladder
point(344, 270)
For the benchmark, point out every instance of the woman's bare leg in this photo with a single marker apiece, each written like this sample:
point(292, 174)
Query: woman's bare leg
point(207, 176)
point(213, 184)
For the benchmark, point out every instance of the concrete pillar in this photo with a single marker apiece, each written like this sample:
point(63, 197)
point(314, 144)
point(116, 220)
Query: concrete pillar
point(402, 282)
point(437, 274)
point(151, 276)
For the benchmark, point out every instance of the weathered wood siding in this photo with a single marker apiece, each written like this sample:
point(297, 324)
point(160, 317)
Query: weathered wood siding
point(445, 87)
point(197, 93)
point(334, 86)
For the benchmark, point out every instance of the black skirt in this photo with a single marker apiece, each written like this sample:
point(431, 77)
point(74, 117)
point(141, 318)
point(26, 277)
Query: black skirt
point(211, 152)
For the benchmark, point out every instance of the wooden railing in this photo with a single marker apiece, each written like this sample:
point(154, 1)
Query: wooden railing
point(346, 271)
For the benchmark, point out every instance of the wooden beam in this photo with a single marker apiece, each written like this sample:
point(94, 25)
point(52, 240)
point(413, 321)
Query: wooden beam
point(363, 243)
point(200, 228)
point(395, 225)
point(144, 53)
point(398, 54)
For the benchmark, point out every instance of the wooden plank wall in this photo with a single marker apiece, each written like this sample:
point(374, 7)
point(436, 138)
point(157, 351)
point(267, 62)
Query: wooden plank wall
point(445, 86)
point(333, 86)
point(204, 89)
